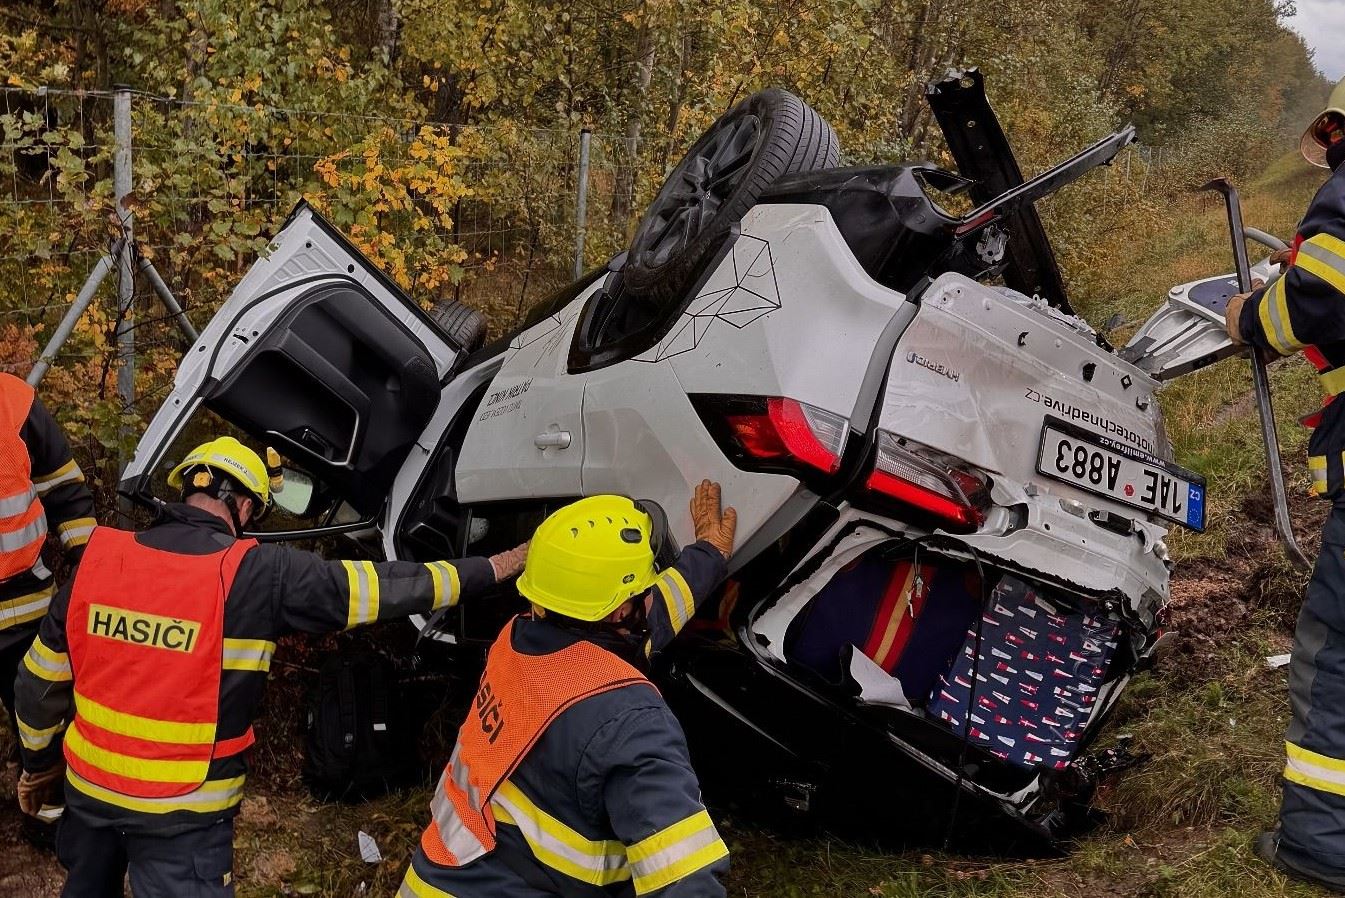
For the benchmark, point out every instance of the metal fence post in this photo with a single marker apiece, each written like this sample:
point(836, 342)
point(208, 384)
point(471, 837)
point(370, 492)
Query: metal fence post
point(581, 203)
point(101, 269)
point(121, 186)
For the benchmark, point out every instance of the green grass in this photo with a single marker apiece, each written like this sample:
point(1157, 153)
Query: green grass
point(1215, 740)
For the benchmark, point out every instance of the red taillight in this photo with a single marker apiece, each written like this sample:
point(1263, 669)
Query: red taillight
point(757, 436)
point(927, 483)
point(778, 432)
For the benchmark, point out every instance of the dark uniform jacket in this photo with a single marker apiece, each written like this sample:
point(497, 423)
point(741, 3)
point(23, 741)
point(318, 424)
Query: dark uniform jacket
point(1305, 310)
point(68, 506)
point(277, 590)
point(610, 778)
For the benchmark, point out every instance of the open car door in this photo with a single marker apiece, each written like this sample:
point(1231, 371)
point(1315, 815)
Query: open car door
point(982, 152)
point(318, 354)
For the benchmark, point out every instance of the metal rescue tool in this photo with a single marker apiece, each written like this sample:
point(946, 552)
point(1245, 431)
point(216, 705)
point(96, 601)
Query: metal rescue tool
point(1261, 381)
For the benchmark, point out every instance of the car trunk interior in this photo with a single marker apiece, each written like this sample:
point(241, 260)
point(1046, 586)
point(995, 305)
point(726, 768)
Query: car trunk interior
point(991, 668)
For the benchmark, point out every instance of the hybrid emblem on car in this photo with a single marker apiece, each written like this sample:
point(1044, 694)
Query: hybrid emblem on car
point(937, 367)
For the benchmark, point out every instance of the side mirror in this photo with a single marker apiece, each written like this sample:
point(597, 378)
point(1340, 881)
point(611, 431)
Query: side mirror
point(297, 493)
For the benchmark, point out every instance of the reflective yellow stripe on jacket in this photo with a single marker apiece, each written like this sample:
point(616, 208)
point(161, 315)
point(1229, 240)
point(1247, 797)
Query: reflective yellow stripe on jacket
point(46, 664)
point(25, 608)
point(146, 728)
point(444, 574)
point(211, 796)
point(556, 845)
point(675, 852)
point(1317, 468)
point(66, 473)
point(362, 580)
point(415, 887)
point(248, 654)
point(676, 593)
point(1333, 381)
point(1324, 257)
point(1274, 315)
point(75, 532)
point(35, 739)
point(150, 771)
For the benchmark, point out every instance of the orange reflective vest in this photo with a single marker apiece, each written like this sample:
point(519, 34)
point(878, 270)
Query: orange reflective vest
point(23, 525)
point(519, 697)
point(145, 632)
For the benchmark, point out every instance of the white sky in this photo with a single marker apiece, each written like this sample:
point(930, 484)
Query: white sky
point(1322, 24)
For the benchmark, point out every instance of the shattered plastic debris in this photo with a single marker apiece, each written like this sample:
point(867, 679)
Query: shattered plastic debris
point(369, 849)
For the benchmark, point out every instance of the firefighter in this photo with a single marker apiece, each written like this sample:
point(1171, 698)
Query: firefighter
point(148, 668)
point(570, 775)
point(1305, 310)
point(41, 490)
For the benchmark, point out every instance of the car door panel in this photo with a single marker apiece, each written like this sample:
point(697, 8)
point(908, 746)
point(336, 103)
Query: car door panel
point(527, 439)
point(338, 386)
point(317, 353)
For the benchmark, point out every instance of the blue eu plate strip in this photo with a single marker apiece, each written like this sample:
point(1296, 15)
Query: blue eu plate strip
point(1195, 506)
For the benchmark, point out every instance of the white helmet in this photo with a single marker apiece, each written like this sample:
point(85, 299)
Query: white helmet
point(1316, 139)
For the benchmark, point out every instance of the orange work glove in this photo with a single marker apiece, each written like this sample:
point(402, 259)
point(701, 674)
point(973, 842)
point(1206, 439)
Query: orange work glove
point(35, 788)
point(714, 526)
point(1233, 314)
point(509, 564)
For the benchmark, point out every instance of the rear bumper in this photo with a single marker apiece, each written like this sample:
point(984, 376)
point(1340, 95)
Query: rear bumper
point(769, 743)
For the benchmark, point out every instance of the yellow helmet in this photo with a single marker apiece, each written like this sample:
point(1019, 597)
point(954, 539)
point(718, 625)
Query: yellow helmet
point(1314, 142)
point(589, 557)
point(228, 456)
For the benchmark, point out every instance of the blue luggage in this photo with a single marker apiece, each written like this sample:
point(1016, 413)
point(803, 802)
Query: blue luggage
point(1037, 679)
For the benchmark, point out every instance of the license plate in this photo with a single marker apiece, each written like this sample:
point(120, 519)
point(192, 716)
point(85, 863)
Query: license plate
point(1108, 467)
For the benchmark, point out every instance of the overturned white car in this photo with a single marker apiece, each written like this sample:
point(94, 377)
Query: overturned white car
point(953, 494)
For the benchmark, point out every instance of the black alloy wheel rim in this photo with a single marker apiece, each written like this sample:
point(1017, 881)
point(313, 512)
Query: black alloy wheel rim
point(699, 187)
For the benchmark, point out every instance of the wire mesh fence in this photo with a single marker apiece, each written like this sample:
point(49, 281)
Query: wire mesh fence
point(484, 214)
point(481, 214)
point(49, 158)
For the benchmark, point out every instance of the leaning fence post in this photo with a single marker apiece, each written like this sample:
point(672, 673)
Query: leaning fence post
point(102, 269)
point(169, 300)
point(121, 186)
point(581, 203)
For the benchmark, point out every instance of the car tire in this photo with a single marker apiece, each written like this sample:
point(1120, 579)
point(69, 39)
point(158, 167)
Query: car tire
point(461, 323)
point(767, 135)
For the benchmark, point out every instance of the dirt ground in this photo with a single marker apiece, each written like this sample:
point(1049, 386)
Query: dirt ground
point(24, 870)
